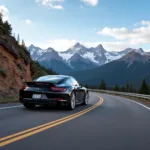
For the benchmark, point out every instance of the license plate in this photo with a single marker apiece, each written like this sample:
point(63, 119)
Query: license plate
point(36, 96)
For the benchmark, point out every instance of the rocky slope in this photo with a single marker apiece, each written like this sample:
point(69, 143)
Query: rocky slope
point(16, 65)
point(13, 71)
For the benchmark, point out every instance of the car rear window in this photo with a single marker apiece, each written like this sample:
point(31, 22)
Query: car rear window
point(51, 79)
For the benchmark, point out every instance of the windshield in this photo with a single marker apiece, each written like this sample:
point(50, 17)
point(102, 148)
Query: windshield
point(51, 79)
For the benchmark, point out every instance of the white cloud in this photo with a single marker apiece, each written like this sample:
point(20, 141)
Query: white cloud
point(139, 35)
point(58, 44)
point(143, 22)
point(91, 2)
point(57, 7)
point(61, 44)
point(112, 46)
point(64, 44)
point(4, 11)
point(53, 4)
point(27, 21)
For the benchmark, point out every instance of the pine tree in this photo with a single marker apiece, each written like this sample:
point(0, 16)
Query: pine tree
point(23, 44)
point(127, 87)
point(144, 88)
point(1, 20)
point(7, 28)
point(18, 39)
point(123, 89)
point(134, 90)
point(116, 88)
point(14, 35)
point(103, 85)
point(131, 88)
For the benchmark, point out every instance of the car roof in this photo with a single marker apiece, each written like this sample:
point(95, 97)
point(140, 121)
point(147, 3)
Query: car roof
point(57, 76)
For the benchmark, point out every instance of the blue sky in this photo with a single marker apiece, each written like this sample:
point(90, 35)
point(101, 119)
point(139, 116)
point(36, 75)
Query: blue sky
point(117, 24)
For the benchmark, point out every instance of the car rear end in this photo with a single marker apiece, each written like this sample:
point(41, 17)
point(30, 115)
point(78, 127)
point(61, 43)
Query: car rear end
point(44, 93)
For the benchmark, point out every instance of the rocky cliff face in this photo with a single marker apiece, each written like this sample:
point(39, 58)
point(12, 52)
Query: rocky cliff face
point(13, 71)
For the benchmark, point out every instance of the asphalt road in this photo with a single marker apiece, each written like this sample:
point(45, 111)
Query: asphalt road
point(113, 124)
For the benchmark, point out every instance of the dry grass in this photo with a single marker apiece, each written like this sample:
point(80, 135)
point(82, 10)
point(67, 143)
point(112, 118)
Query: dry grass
point(9, 100)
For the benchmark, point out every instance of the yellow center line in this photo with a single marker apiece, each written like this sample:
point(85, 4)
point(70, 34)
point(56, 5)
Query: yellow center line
point(26, 133)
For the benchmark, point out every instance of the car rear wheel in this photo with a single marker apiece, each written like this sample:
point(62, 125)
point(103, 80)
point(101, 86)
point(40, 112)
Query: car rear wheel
point(86, 99)
point(72, 102)
point(29, 106)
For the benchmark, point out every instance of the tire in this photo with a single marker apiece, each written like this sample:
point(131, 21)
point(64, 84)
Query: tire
point(86, 99)
point(29, 106)
point(72, 103)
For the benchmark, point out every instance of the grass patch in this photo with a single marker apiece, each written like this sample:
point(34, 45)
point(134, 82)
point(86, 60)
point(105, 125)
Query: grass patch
point(9, 100)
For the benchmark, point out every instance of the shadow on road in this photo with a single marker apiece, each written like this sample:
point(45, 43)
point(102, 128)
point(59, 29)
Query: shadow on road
point(56, 108)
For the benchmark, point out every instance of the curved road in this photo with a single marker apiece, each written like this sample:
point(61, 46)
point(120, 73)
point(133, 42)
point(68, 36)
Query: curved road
point(113, 124)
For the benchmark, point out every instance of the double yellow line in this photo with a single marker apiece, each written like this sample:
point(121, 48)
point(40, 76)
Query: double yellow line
point(26, 133)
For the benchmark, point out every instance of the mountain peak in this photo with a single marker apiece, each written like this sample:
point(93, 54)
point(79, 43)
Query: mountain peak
point(134, 56)
point(32, 46)
point(77, 44)
point(50, 49)
point(100, 46)
point(131, 56)
point(75, 48)
point(140, 50)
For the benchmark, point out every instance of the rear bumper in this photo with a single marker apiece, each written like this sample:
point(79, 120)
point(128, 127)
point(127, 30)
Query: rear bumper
point(44, 101)
point(47, 98)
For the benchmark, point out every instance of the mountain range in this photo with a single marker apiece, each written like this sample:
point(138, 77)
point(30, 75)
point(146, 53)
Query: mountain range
point(77, 57)
point(131, 68)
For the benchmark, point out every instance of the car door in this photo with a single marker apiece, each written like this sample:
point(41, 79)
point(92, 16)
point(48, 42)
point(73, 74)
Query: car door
point(70, 82)
point(80, 92)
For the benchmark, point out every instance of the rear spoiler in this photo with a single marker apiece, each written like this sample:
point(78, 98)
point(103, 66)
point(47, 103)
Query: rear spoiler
point(38, 83)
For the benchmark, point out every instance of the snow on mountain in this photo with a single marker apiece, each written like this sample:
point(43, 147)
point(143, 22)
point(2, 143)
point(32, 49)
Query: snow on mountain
point(65, 56)
point(77, 48)
point(36, 52)
point(111, 57)
point(78, 56)
point(90, 56)
point(74, 49)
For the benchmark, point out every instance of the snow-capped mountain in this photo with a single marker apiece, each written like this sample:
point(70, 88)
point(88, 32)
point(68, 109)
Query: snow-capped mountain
point(131, 68)
point(35, 52)
point(77, 57)
point(97, 55)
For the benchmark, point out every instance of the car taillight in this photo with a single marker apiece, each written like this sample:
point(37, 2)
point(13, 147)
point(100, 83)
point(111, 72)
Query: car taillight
point(58, 89)
point(24, 87)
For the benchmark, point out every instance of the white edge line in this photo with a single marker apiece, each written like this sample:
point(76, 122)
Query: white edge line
point(135, 102)
point(139, 104)
point(1, 108)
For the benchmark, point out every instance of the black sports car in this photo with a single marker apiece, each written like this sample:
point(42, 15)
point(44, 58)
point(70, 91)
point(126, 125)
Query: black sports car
point(53, 89)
